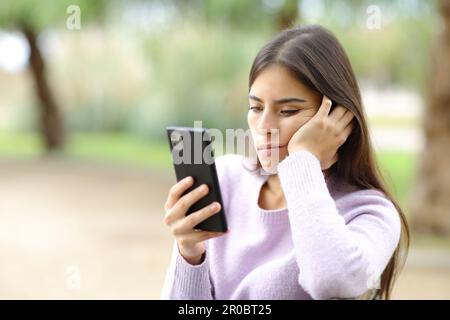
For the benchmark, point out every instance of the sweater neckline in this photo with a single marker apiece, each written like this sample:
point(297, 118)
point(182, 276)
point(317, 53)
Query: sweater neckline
point(268, 216)
point(274, 216)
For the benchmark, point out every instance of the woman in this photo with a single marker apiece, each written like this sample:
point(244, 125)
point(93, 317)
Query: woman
point(320, 226)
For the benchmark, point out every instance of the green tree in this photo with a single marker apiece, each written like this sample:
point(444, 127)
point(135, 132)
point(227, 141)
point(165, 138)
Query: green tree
point(31, 18)
point(430, 204)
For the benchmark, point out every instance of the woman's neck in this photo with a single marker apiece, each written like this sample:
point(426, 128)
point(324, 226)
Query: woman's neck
point(274, 183)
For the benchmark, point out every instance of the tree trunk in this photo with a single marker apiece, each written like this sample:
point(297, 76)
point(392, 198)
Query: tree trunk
point(288, 14)
point(430, 204)
point(50, 119)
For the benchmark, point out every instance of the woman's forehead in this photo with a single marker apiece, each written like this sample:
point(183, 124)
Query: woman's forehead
point(275, 82)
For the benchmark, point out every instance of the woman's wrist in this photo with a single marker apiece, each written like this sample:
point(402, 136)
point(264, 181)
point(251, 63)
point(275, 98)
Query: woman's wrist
point(195, 260)
point(295, 148)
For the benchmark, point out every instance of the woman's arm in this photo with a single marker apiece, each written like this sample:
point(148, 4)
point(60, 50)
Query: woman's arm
point(186, 281)
point(336, 260)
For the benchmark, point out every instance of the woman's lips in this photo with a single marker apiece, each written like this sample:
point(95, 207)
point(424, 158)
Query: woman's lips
point(269, 147)
point(267, 150)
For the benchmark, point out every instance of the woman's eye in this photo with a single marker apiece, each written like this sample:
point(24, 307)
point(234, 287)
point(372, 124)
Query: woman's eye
point(254, 108)
point(288, 112)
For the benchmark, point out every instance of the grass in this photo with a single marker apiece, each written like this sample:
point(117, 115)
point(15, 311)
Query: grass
point(120, 148)
point(107, 147)
point(19, 145)
point(398, 167)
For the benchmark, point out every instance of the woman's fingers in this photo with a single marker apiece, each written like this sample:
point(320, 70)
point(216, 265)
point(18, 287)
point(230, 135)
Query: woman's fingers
point(195, 218)
point(348, 130)
point(346, 119)
point(176, 191)
point(325, 107)
point(180, 208)
point(185, 226)
point(337, 113)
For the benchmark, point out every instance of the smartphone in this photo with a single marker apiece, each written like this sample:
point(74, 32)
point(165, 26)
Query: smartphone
point(193, 155)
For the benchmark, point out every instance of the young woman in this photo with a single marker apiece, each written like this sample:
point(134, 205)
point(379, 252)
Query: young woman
point(320, 226)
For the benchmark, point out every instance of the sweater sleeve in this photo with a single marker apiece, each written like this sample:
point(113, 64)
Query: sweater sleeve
point(336, 258)
point(185, 281)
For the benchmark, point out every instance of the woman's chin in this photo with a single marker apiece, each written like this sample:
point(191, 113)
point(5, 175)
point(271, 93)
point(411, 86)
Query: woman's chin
point(270, 164)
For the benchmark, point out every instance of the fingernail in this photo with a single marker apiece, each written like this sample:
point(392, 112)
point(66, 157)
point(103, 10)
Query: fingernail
point(188, 180)
point(215, 206)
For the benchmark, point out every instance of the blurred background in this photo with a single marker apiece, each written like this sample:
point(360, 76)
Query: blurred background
point(87, 88)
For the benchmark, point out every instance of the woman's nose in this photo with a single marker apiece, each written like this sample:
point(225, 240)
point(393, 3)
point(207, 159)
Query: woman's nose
point(267, 122)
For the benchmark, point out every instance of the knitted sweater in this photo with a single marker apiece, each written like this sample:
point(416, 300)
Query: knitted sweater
point(332, 241)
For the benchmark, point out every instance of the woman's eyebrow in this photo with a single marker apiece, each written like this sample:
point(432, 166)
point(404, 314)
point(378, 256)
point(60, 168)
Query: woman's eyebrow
point(278, 101)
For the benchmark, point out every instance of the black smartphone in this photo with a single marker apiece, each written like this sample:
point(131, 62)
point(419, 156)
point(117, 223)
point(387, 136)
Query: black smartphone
point(193, 155)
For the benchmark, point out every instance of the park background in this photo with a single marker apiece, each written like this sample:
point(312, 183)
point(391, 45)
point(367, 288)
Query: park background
point(84, 161)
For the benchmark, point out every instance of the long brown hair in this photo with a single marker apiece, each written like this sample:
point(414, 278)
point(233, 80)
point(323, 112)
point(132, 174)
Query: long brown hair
point(317, 59)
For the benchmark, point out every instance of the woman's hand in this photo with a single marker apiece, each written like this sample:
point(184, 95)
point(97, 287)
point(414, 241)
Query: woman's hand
point(191, 242)
point(324, 133)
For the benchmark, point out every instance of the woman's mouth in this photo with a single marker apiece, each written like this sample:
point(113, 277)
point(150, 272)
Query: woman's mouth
point(267, 150)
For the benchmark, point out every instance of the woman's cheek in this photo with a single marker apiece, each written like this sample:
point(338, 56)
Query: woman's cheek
point(296, 123)
point(251, 119)
point(293, 127)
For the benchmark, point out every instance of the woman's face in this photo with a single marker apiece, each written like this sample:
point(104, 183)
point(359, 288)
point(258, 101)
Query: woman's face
point(279, 105)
